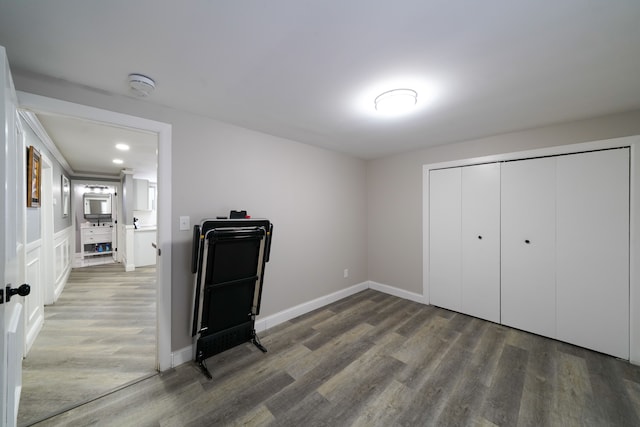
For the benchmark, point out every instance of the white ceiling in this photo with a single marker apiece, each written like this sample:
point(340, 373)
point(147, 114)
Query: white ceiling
point(90, 147)
point(309, 70)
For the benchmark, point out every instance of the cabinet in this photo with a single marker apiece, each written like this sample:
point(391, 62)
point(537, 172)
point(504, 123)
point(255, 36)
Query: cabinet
point(96, 240)
point(141, 195)
point(560, 266)
point(465, 240)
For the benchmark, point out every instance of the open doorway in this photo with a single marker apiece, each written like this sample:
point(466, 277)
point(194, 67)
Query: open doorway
point(162, 269)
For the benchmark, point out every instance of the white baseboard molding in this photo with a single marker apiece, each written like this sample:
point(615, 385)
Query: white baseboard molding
point(185, 354)
point(181, 356)
point(264, 323)
point(397, 292)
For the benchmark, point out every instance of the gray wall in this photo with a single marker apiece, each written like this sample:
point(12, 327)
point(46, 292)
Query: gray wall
point(394, 189)
point(33, 214)
point(330, 211)
point(316, 199)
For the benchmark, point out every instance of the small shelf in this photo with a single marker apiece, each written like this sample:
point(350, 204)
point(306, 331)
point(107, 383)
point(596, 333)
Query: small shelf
point(97, 253)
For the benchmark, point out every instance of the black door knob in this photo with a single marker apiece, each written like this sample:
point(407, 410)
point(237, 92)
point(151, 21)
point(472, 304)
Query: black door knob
point(22, 290)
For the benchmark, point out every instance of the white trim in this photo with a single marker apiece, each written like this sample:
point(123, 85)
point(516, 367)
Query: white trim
point(32, 120)
point(264, 323)
point(634, 255)
point(181, 356)
point(634, 217)
point(35, 302)
point(39, 103)
point(62, 260)
point(397, 292)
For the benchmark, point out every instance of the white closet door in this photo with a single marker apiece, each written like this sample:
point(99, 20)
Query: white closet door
point(593, 250)
point(528, 210)
point(481, 241)
point(445, 256)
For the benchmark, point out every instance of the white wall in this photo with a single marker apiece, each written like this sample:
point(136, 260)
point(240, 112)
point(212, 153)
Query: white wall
point(394, 188)
point(315, 198)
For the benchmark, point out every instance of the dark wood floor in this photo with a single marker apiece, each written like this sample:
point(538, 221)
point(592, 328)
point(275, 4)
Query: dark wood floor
point(377, 360)
point(99, 335)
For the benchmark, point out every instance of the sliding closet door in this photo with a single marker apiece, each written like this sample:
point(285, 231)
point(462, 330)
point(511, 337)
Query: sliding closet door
point(528, 210)
point(593, 250)
point(445, 258)
point(481, 241)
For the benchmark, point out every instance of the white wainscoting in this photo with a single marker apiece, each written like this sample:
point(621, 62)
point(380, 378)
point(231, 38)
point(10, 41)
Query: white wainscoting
point(34, 302)
point(62, 260)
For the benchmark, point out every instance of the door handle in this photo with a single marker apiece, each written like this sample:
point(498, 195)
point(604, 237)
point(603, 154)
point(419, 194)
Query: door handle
point(156, 248)
point(23, 290)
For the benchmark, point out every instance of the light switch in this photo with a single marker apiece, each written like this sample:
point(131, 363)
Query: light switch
point(185, 223)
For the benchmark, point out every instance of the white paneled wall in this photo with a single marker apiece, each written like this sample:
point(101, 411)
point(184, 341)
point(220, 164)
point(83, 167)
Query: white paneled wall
point(62, 259)
point(34, 303)
point(41, 284)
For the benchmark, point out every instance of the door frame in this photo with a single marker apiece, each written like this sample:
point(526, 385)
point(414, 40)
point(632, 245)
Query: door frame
point(634, 218)
point(37, 103)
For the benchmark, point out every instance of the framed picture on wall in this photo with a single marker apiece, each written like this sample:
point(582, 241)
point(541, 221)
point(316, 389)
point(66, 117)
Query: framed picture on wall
point(34, 168)
point(65, 189)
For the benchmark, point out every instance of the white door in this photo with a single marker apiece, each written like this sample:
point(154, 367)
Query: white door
point(528, 210)
point(593, 250)
point(445, 257)
point(12, 197)
point(481, 241)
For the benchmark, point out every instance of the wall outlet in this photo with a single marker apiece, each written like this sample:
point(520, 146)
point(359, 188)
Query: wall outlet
point(346, 273)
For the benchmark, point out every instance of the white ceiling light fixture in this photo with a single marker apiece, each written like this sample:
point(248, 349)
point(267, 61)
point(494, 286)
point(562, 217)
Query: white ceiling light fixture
point(396, 101)
point(122, 147)
point(141, 85)
point(118, 161)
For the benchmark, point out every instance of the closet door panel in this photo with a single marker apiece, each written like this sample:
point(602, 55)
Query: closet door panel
point(528, 212)
point(593, 250)
point(481, 241)
point(445, 257)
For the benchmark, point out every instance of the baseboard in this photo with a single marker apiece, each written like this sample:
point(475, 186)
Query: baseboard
point(397, 292)
point(264, 323)
point(185, 354)
point(181, 356)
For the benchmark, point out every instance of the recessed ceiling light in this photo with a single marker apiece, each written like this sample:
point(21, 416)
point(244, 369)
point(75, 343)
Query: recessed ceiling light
point(118, 161)
point(122, 147)
point(396, 101)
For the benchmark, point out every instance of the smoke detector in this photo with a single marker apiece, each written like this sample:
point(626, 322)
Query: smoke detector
point(141, 85)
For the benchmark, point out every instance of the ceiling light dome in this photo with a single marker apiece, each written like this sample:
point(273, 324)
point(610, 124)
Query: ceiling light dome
point(396, 101)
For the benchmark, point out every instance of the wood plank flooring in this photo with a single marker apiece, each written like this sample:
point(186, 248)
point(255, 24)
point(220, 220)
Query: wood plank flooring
point(376, 360)
point(99, 335)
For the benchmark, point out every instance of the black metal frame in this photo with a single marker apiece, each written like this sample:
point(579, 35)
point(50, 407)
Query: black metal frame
point(228, 262)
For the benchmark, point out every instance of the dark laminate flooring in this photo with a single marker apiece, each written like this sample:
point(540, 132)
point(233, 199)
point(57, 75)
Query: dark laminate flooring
point(99, 335)
point(377, 360)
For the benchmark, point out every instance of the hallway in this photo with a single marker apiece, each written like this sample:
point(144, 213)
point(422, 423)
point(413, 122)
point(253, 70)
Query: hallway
point(98, 336)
